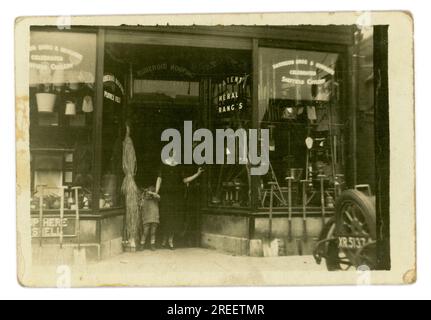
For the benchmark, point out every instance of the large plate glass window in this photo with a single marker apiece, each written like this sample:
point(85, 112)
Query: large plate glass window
point(300, 102)
point(113, 134)
point(231, 108)
point(62, 79)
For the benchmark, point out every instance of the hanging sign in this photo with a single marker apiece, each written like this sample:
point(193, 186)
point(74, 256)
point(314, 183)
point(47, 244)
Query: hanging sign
point(232, 94)
point(111, 82)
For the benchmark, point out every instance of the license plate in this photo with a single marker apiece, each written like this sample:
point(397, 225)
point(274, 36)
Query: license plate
point(352, 242)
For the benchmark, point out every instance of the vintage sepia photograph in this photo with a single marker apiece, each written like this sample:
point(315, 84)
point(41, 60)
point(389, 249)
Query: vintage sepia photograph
point(215, 150)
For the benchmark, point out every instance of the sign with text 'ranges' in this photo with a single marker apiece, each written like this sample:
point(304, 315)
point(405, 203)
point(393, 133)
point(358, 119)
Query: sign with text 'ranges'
point(232, 93)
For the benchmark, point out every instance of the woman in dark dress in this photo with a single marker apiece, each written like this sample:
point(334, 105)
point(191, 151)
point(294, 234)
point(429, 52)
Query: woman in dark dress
point(171, 185)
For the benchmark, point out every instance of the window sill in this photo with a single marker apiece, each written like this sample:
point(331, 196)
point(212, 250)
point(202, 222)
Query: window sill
point(84, 214)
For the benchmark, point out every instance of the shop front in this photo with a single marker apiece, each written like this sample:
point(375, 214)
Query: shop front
point(87, 85)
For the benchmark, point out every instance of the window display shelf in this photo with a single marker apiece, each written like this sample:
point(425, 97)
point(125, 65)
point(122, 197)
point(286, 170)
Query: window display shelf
point(84, 213)
point(37, 149)
point(67, 212)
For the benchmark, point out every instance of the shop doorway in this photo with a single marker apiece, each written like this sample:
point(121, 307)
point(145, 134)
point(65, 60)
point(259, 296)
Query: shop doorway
point(148, 121)
point(167, 86)
point(158, 105)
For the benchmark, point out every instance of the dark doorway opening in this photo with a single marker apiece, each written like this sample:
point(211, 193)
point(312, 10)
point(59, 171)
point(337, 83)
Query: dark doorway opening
point(170, 85)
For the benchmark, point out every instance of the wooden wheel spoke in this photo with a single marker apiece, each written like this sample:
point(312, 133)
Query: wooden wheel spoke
point(347, 214)
point(353, 220)
point(353, 211)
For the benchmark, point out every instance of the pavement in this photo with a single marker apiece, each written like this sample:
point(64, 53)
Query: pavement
point(194, 267)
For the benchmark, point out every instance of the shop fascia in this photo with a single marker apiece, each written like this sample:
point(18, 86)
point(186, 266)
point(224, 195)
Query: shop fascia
point(228, 144)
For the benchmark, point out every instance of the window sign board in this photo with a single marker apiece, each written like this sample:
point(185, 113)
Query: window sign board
point(58, 58)
point(51, 227)
point(232, 94)
point(298, 75)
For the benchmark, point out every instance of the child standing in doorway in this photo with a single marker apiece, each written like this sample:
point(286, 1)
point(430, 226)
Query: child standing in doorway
point(149, 207)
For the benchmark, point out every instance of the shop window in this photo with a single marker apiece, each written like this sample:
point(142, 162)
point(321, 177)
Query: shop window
point(62, 83)
point(230, 184)
point(300, 103)
point(113, 134)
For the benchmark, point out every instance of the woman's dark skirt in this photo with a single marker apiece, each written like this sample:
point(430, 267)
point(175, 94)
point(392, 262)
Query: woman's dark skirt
point(172, 213)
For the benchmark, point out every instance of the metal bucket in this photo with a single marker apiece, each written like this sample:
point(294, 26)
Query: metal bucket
point(45, 102)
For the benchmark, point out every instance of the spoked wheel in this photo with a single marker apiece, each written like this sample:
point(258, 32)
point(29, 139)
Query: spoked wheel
point(356, 228)
point(353, 232)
